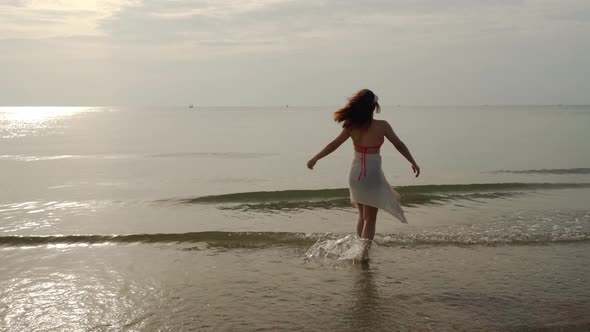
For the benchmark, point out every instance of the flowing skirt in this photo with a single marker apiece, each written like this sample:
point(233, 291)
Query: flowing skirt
point(368, 185)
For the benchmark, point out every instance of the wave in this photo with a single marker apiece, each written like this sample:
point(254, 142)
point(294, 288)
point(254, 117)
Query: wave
point(344, 203)
point(268, 239)
point(289, 200)
point(213, 237)
point(28, 158)
point(229, 155)
point(553, 171)
point(219, 155)
point(294, 195)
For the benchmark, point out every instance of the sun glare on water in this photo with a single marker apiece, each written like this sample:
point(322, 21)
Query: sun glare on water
point(26, 121)
point(37, 114)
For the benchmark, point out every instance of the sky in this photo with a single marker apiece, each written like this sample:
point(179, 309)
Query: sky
point(296, 52)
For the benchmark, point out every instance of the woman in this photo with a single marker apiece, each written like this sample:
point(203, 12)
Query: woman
point(369, 189)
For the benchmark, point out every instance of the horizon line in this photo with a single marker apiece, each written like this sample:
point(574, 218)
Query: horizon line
point(302, 106)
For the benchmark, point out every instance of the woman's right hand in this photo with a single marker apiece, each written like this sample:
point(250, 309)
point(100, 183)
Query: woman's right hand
point(311, 163)
point(416, 169)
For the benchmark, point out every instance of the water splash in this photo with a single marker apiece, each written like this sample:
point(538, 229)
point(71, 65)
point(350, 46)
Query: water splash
point(348, 248)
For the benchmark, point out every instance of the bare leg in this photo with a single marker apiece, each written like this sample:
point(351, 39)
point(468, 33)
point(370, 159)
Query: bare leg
point(361, 221)
point(370, 216)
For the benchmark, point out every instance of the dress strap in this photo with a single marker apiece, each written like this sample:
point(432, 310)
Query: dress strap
point(363, 171)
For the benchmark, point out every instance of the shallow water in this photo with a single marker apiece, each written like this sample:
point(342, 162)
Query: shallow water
point(188, 286)
point(169, 219)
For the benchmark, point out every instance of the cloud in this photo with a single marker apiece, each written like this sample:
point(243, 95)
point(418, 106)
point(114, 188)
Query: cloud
point(289, 25)
point(453, 51)
point(36, 19)
point(567, 10)
point(286, 24)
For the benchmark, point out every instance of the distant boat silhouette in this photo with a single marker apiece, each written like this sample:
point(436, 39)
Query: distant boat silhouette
point(191, 106)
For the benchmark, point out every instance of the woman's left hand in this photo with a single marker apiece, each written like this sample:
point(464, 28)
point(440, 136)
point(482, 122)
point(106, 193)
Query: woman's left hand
point(311, 163)
point(416, 169)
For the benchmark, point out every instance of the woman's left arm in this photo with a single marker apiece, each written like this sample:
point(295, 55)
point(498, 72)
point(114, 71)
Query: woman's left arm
point(331, 147)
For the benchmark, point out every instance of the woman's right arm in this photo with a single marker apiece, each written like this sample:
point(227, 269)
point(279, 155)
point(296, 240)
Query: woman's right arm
point(401, 147)
point(331, 147)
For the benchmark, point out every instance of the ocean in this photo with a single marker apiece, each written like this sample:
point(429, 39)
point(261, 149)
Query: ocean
point(207, 219)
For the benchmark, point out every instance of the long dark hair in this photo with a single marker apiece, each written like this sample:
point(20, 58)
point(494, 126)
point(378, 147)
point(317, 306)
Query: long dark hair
point(358, 112)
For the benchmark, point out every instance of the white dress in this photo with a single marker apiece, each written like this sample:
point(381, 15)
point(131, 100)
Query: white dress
point(368, 185)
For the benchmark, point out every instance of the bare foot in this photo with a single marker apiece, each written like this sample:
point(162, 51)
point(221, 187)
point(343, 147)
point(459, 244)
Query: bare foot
point(365, 247)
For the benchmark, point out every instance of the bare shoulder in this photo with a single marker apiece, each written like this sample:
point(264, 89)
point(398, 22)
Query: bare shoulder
point(382, 125)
